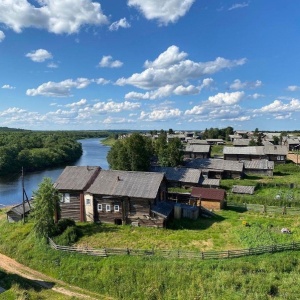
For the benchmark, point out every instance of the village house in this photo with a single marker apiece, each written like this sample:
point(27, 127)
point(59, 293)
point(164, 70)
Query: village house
point(209, 198)
point(259, 167)
point(217, 168)
point(292, 143)
point(128, 197)
point(71, 185)
point(197, 151)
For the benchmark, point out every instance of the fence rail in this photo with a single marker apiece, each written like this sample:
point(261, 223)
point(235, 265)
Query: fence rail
point(265, 208)
point(105, 252)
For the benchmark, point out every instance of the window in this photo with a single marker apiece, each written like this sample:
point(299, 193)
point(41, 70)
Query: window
point(88, 202)
point(65, 198)
point(99, 207)
point(108, 207)
point(116, 208)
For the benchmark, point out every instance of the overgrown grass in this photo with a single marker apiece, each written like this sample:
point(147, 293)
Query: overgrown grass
point(271, 276)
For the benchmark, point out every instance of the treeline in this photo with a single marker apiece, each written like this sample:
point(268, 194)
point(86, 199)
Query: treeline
point(217, 133)
point(37, 150)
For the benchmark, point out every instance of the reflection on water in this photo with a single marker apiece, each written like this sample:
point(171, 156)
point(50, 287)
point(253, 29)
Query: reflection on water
point(94, 154)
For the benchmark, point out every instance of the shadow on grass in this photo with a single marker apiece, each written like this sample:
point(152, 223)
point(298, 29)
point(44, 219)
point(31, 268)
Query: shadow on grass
point(238, 209)
point(7, 280)
point(200, 223)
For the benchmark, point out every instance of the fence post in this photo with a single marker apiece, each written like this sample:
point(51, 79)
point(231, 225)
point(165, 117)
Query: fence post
point(128, 251)
point(202, 255)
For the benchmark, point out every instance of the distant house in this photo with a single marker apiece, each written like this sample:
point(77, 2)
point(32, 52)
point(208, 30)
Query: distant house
point(127, 197)
point(259, 167)
point(292, 143)
point(197, 151)
point(244, 153)
point(215, 141)
point(71, 185)
point(217, 168)
point(180, 177)
point(241, 142)
point(276, 153)
point(17, 212)
point(209, 198)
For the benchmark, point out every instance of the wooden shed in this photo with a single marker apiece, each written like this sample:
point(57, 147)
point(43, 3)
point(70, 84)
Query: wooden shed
point(209, 198)
point(16, 213)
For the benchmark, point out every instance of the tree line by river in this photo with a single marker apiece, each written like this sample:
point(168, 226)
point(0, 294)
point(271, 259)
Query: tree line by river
point(38, 150)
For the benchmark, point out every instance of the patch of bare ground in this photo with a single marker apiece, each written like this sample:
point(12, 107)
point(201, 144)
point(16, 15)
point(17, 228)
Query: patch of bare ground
point(12, 266)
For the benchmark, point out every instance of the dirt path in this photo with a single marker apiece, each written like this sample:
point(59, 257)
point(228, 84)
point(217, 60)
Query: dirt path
point(11, 266)
point(293, 157)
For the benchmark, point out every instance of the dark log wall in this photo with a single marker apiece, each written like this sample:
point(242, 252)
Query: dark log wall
point(71, 210)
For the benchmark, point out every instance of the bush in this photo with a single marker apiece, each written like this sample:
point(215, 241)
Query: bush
point(63, 224)
point(68, 237)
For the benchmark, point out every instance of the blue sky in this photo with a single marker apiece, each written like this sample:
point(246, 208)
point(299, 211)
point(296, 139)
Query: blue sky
point(149, 64)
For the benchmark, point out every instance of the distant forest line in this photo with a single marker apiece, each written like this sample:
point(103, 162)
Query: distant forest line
point(38, 150)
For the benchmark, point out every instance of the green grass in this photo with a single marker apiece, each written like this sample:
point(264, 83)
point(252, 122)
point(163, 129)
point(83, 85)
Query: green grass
point(270, 276)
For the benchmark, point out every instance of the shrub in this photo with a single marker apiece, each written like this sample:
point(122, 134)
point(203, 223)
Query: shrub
point(63, 224)
point(68, 237)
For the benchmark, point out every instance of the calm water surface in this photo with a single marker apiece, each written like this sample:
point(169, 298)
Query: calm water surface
point(94, 154)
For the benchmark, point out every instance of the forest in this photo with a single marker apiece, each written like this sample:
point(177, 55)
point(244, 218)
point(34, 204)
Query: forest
point(38, 150)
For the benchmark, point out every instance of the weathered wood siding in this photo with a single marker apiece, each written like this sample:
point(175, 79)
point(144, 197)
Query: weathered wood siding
point(71, 210)
point(211, 204)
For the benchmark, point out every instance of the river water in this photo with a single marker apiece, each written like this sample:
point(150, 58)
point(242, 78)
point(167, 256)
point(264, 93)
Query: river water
point(94, 154)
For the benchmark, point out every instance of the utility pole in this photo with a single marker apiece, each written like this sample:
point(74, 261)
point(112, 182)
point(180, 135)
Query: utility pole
point(24, 195)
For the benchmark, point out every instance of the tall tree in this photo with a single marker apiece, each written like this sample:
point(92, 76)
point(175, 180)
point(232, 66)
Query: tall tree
point(132, 154)
point(46, 203)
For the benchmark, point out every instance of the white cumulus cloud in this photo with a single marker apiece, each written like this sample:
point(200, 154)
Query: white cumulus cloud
point(171, 68)
point(279, 106)
point(165, 11)
point(108, 62)
point(59, 89)
point(293, 88)
point(122, 23)
point(39, 55)
point(8, 87)
point(2, 36)
point(160, 114)
point(57, 16)
point(238, 84)
point(226, 98)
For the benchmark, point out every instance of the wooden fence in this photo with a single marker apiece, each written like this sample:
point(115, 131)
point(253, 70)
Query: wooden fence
point(265, 208)
point(105, 252)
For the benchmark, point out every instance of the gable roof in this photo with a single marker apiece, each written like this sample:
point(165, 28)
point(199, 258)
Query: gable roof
point(259, 164)
point(276, 149)
point(127, 183)
point(243, 189)
point(211, 194)
point(187, 175)
point(197, 148)
point(215, 164)
point(77, 178)
point(250, 150)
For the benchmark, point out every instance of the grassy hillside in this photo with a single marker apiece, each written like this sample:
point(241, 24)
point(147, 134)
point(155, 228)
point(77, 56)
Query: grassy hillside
point(273, 276)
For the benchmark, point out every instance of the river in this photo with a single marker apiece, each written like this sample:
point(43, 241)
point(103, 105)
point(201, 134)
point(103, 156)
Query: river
point(94, 154)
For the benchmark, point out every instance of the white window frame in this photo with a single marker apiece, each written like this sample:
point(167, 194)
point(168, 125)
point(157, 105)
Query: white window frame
point(100, 207)
point(116, 207)
point(65, 198)
point(107, 207)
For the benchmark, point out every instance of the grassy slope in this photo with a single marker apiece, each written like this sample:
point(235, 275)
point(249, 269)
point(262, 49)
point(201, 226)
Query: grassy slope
point(260, 277)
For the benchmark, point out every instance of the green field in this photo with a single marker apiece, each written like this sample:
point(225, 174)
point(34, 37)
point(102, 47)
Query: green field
point(269, 276)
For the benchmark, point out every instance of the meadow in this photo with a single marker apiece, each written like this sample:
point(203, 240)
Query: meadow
point(268, 276)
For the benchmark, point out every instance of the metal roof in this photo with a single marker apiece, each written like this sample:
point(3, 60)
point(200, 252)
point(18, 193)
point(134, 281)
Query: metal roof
point(215, 164)
point(198, 148)
point(241, 142)
point(76, 178)
point(187, 175)
point(127, 183)
point(243, 189)
point(276, 149)
point(211, 194)
point(259, 164)
point(250, 150)
point(211, 181)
